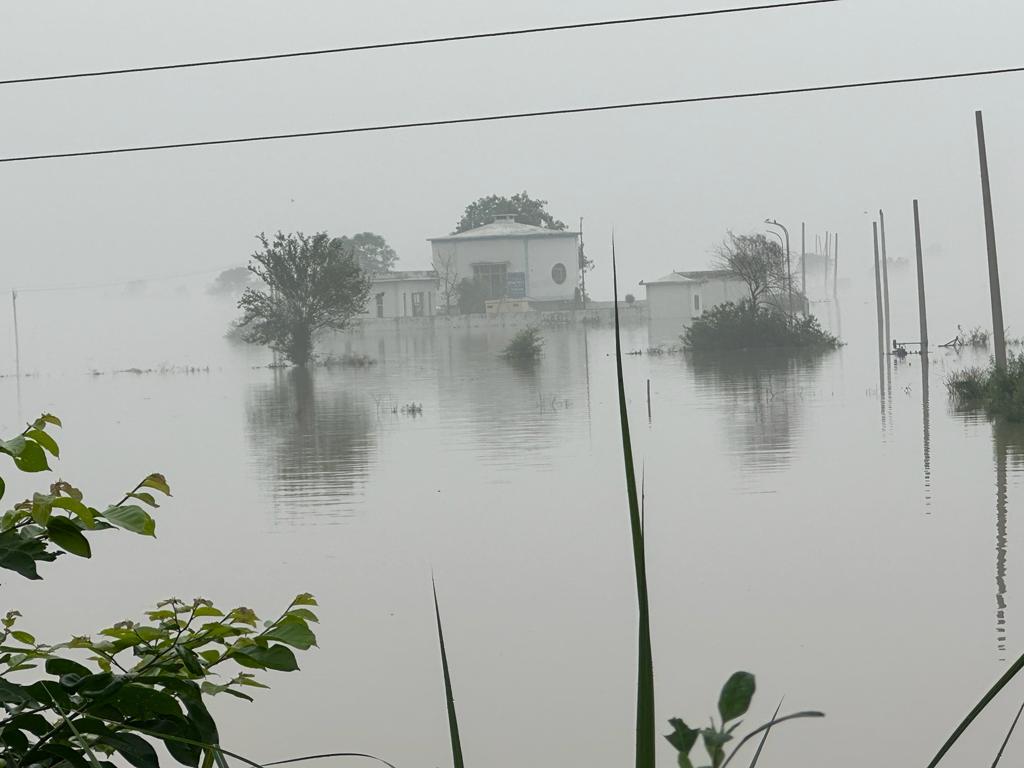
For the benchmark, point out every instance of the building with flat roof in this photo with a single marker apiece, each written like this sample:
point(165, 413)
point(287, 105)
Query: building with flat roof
point(409, 293)
point(511, 260)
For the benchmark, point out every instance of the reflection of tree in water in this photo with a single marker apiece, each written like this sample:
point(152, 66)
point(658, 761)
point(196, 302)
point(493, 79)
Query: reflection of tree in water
point(1008, 446)
point(312, 441)
point(760, 396)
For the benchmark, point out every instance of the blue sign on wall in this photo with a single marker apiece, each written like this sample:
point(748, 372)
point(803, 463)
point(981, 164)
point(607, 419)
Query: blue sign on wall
point(516, 285)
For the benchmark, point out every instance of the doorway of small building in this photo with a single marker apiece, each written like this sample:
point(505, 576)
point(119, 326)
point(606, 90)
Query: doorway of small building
point(380, 305)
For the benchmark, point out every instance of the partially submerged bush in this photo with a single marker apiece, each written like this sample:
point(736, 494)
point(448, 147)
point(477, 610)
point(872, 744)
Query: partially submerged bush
point(998, 391)
point(746, 326)
point(526, 345)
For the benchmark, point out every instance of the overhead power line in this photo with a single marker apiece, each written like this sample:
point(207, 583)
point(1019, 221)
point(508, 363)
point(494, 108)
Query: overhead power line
point(519, 115)
point(420, 41)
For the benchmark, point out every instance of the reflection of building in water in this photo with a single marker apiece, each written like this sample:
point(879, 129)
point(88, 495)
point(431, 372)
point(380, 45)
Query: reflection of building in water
point(761, 396)
point(312, 441)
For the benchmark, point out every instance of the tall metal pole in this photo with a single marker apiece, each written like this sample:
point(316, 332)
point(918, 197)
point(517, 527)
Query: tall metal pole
point(998, 334)
point(920, 287)
point(17, 345)
point(803, 258)
point(789, 269)
point(825, 268)
point(583, 267)
point(885, 280)
point(835, 270)
point(878, 295)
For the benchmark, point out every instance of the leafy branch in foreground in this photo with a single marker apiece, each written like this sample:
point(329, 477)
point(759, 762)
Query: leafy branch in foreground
point(97, 696)
point(733, 703)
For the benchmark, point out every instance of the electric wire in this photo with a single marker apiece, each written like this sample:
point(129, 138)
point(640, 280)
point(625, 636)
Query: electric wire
point(517, 115)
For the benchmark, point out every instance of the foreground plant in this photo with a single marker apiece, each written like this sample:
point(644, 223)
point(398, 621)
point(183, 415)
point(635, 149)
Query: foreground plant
point(999, 391)
point(526, 346)
point(135, 682)
point(733, 703)
point(749, 326)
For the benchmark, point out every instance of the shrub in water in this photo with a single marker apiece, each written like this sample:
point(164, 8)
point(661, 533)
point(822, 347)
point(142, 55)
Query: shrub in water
point(998, 391)
point(526, 345)
point(747, 326)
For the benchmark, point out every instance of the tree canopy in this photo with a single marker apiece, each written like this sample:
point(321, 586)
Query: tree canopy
point(312, 283)
point(231, 281)
point(371, 251)
point(757, 261)
point(526, 209)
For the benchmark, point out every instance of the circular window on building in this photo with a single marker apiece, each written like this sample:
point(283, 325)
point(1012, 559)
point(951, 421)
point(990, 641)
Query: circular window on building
point(558, 273)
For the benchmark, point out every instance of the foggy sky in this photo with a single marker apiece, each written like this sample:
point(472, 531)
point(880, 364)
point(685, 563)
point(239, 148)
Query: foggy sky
point(670, 180)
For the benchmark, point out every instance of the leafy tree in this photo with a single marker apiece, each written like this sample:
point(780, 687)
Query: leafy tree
point(230, 281)
point(744, 326)
point(314, 284)
point(133, 683)
point(757, 261)
point(371, 251)
point(526, 209)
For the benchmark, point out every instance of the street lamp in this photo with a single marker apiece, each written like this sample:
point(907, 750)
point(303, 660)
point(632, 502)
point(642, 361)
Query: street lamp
point(789, 271)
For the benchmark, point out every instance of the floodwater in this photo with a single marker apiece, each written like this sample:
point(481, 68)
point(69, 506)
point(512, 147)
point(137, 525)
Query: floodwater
point(836, 529)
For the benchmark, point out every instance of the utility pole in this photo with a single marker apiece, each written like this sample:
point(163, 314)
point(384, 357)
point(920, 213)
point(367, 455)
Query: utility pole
point(878, 295)
point(824, 269)
point(920, 287)
point(998, 334)
point(803, 258)
point(835, 271)
point(17, 347)
point(885, 280)
point(583, 267)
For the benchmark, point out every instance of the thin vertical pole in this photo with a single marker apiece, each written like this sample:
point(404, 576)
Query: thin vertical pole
point(648, 401)
point(878, 295)
point(825, 268)
point(885, 279)
point(998, 334)
point(583, 267)
point(920, 287)
point(803, 258)
point(17, 344)
point(835, 270)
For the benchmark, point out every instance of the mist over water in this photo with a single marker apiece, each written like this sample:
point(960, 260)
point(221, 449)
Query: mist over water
point(813, 519)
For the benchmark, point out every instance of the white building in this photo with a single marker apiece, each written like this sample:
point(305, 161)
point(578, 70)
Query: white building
point(402, 294)
point(512, 260)
point(682, 296)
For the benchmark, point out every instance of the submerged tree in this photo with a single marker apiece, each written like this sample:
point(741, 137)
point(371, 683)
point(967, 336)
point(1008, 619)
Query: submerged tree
point(312, 283)
point(526, 210)
point(757, 261)
point(371, 251)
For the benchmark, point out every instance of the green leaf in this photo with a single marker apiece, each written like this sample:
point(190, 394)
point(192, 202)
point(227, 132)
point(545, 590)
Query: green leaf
point(132, 748)
point(304, 599)
point(131, 518)
point(76, 507)
point(47, 442)
point(276, 657)
point(3, 487)
point(66, 535)
point(304, 613)
point(42, 508)
point(293, 631)
point(157, 482)
point(714, 743)
point(736, 695)
point(31, 459)
point(11, 693)
point(14, 446)
point(19, 562)
point(66, 754)
point(207, 610)
point(49, 418)
point(60, 667)
point(190, 660)
point(683, 737)
point(145, 498)
point(23, 637)
point(143, 702)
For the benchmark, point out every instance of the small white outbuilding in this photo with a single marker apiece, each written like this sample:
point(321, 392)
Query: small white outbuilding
point(682, 296)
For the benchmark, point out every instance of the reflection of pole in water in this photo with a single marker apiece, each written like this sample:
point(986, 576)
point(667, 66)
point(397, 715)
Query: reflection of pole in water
point(586, 369)
point(926, 431)
point(1001, 450)
point(878, 295)
point(881, 388)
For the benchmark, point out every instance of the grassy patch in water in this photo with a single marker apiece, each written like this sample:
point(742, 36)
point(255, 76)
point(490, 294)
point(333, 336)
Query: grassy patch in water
point(1000, 392)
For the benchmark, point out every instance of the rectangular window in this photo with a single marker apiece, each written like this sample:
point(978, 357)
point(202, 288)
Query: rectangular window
point(493, 279)
point(696, 303)
point(417, 304)
point(380, 305)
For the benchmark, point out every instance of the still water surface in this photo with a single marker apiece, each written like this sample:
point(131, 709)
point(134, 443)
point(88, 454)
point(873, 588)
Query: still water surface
point(839, 532)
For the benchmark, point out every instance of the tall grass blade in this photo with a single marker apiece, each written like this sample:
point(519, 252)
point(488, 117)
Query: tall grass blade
point(1017, 666)
point(764, 736)
point(645, 665)
point(453, 722)
point(767, 727)
point(1009, 733)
